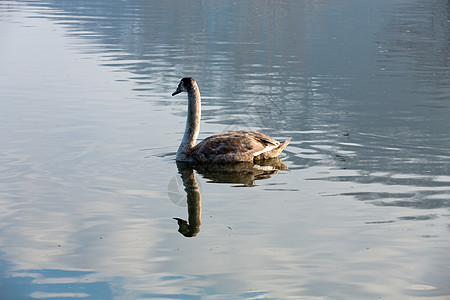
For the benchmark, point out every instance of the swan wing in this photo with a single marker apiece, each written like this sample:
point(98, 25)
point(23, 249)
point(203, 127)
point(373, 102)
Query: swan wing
point(233, 146)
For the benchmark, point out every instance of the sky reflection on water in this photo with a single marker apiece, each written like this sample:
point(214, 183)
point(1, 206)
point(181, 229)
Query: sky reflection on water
point(89, 132)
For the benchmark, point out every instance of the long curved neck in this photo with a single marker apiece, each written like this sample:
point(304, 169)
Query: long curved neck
point(192, 124)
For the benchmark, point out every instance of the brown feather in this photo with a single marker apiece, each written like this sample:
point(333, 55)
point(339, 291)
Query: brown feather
point(235, 147)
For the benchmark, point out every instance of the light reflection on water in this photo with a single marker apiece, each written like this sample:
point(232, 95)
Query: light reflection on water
point(90, 131)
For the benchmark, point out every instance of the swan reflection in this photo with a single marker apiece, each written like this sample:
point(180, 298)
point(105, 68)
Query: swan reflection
point(245, 174)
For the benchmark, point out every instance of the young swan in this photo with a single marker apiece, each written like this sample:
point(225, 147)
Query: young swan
point(238, 146)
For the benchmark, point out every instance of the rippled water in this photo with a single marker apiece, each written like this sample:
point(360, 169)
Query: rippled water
point(89, 186)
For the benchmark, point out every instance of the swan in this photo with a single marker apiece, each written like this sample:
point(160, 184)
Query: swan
point(238, 146)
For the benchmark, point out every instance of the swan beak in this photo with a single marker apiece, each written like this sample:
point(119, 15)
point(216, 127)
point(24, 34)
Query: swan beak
point(176, 92)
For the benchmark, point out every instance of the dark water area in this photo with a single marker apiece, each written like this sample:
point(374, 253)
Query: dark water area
point(94, 206)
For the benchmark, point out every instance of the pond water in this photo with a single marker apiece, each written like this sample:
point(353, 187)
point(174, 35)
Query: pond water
point(89, 186)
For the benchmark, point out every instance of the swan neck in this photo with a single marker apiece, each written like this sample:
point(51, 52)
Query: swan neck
point(192, 124)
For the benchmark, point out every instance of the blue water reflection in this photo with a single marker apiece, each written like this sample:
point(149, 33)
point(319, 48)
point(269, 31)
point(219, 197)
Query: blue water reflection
point(89, 132)
point(45, 284)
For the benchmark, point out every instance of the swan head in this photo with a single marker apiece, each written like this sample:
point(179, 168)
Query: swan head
point(186, 84)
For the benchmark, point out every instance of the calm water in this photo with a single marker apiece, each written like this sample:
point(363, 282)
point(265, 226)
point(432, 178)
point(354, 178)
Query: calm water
point(89, 186)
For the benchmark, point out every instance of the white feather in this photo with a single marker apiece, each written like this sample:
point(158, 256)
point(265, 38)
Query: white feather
point(268, 148)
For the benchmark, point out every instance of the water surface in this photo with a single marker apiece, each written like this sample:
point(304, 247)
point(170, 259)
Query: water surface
point(89, 187)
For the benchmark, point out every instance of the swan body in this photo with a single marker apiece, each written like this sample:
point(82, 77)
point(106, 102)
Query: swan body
point(238, 146)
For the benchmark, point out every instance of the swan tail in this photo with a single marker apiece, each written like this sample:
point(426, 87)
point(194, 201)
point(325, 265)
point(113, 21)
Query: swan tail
point(274, 152)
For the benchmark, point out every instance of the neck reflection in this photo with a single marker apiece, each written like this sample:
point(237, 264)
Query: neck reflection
point(191, 227)
point(243, 174)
